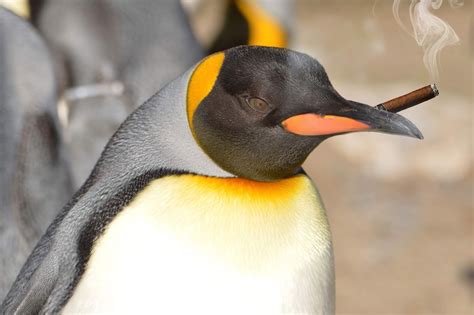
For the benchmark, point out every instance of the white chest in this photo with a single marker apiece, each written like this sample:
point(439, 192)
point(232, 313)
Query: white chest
point(181, 247)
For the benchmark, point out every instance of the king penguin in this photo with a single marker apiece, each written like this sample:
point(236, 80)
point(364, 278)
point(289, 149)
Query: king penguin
point(34, 175)
point(199, 204)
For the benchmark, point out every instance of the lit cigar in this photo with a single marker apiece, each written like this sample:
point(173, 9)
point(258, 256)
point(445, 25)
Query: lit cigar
point(409, 100)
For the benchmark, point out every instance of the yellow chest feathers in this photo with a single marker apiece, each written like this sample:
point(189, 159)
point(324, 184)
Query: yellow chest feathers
point(239, 221)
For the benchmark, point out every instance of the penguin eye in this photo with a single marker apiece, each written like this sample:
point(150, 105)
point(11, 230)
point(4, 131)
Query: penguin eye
point(258, 104)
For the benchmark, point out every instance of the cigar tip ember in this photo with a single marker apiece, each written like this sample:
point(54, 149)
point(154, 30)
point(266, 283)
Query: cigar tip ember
point(435, 89)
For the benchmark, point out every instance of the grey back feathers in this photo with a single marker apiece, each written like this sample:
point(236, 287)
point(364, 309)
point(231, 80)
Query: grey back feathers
point(141, 44)
point(34, 179)
point(154, 141)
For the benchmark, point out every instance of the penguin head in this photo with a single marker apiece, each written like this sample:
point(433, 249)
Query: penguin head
point(258, 112)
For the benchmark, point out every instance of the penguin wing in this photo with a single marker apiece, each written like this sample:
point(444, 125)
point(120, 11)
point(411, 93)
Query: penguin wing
point(48, 276)
point(54, 268)
point(35, 282)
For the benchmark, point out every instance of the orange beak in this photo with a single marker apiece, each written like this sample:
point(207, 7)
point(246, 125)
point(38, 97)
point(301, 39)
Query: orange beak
point(316, 125)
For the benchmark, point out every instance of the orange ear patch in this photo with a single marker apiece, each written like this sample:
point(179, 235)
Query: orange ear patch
point(201, 83)
point(315, 125)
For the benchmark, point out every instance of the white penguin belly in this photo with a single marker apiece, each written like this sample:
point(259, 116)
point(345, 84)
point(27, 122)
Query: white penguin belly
point(189, 244)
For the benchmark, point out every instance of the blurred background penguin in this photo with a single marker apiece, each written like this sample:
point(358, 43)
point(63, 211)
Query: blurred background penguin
point(111, 56)
point(259, 22)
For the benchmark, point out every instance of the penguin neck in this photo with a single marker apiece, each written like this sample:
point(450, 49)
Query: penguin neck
point(157, 136)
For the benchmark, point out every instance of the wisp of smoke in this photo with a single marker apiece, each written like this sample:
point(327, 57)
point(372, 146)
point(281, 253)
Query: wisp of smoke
point(429, 31)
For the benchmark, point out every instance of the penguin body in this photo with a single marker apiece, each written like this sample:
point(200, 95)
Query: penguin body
point(200, 196)
point(34, 175)
point(212, 245)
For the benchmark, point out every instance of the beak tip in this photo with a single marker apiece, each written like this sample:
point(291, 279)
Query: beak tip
point(416, 133)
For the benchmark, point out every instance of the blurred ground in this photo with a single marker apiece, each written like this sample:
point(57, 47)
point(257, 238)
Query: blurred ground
point(401, 210)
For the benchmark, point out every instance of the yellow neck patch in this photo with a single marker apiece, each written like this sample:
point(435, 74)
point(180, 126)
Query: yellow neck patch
point(20, 7)
point(264, 29)
point(247, 190)
point(201, 83)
